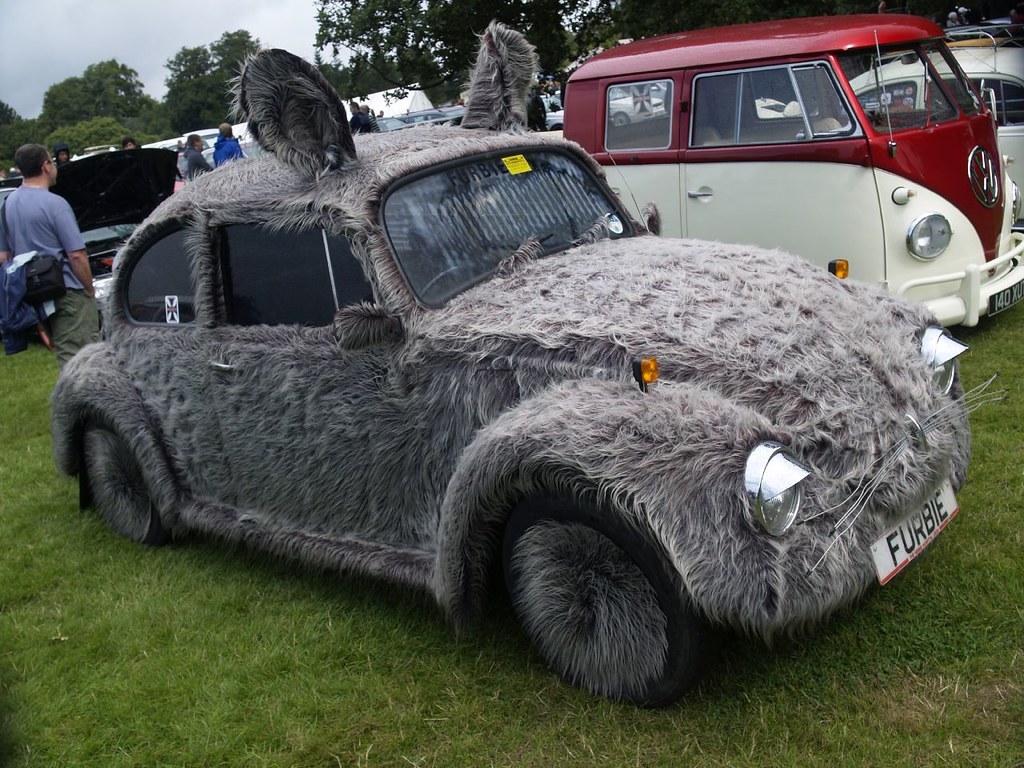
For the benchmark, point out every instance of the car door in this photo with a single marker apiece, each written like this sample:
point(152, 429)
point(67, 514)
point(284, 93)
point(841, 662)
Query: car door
point(160, 339)
point(299, 413)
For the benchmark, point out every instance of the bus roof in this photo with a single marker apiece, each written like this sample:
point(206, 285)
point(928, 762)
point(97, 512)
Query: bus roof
point(760, 40)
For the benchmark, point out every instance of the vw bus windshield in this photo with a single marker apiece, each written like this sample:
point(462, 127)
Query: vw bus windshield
point(909, 88)
point(454, 225)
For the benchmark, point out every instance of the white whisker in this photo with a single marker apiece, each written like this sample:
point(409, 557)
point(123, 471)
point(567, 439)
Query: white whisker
point(857, 501)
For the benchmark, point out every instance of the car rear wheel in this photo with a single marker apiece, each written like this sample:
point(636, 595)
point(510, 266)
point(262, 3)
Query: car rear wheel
point(118, 486)
point(600, 602)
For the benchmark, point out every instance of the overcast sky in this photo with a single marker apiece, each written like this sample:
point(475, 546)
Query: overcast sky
point(47, 41)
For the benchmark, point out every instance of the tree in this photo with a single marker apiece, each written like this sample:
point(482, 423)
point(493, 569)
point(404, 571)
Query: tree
point(7, 114)
point(199, 81)
point(89, 133)
point(106, 89)
point(435, 43)
point(14, 135)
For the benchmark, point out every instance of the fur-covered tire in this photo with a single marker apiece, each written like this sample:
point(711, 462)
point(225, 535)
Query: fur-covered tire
point(118, 487)
point(600, 603)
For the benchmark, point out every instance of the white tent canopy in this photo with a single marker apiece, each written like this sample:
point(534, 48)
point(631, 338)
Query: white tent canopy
point(391, 106)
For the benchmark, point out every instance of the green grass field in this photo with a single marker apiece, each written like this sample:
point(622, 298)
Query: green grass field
point(112, 654)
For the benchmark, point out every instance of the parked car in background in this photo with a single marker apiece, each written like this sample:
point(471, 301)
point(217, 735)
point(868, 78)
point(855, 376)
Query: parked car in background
point(855, 141)
point(442, 355)
point(391, 123)
point(425, 116)
point(992, 57)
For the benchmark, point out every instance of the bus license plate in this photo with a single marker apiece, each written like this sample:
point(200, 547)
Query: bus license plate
point(1006, 298)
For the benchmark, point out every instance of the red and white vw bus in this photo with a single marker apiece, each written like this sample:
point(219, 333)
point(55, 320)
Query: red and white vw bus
point(853, 138)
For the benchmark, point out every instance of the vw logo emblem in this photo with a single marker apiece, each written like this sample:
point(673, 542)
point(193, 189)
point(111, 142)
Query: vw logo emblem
point(981, 170)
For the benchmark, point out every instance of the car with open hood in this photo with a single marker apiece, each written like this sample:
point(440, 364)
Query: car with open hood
point(111, 193)
point(449, 354)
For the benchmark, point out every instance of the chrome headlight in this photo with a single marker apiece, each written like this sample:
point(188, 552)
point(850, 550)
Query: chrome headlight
point(929, 236)
point(940, 351)
point(773, 479)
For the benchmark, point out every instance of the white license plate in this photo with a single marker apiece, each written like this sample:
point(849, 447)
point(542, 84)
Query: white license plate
point(900, 545)
point(1006, 298)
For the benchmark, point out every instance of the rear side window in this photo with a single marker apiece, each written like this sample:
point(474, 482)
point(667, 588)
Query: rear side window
point(287, 278)
point(1009, 99)
point(160, 288)
point(770, 105)
point(638, 115)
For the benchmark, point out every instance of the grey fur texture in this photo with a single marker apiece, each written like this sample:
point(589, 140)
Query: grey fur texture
point(505, 68)
point(395, 441)
point(586, 600)
point(291, 109)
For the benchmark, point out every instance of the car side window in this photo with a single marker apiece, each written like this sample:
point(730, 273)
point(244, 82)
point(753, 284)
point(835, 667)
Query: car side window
point(639, 115)
point(769, 106)
point(273, 277)
point(1009, 98)
point(160, 286)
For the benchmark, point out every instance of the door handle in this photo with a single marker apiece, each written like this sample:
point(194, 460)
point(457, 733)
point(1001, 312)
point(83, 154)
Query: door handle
point(694, 195)
point(224, 367)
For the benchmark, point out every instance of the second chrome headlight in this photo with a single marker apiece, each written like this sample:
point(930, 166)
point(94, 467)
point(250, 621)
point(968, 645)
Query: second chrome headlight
point(773, 479)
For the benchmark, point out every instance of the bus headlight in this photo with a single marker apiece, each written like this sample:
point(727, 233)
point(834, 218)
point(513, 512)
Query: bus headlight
point(929, 236)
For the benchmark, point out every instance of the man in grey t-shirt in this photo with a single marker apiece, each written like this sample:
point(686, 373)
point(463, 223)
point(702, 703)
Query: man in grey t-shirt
point(42, 221)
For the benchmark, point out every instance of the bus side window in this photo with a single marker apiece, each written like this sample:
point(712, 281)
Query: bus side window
point(639, 115)
point(714, 111)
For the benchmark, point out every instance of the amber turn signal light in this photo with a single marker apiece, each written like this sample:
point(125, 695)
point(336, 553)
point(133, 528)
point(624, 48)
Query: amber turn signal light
point(840, 268)
point(645, 371)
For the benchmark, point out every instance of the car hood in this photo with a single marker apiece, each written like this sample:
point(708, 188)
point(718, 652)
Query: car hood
point(117, 187)
point(832, 369)
point(761, 329)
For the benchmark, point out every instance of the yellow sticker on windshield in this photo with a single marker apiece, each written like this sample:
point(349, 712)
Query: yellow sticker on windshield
point(516, 164)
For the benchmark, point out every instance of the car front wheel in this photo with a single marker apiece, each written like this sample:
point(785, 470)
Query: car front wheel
point(118, 486)
point(600, 602)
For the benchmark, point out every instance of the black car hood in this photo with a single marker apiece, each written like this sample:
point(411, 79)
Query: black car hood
point(117, 187)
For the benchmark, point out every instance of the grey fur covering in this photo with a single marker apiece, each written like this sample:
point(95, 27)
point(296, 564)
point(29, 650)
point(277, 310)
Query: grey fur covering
point(395, 441)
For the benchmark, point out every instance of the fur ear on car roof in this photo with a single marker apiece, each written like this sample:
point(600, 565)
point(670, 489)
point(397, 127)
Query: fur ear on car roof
point(294, 112)
point(500, 83)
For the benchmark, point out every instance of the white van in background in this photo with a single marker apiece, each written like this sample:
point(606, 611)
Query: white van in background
point(993, 59)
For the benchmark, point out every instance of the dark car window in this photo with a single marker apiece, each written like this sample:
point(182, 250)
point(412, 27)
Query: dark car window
point(286, 277)
point(452, 226)
point(160, 287)
point(1009, 99)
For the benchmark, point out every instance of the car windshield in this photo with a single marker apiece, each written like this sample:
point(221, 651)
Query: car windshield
point(454, 225)
point(903, 88)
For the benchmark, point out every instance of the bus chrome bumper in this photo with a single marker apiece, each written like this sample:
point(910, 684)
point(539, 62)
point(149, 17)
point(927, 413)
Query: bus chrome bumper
point(976, 294)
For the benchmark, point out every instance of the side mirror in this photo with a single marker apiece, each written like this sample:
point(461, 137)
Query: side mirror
point(990, 102)
point(366, 325)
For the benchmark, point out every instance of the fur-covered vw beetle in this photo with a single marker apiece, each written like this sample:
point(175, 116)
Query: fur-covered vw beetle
point(421, 353)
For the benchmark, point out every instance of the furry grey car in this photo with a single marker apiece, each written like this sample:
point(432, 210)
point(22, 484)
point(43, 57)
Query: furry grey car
point(418, 354)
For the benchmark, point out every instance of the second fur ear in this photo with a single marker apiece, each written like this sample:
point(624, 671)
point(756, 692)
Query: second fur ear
point(294, 112)
point(505, 67)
